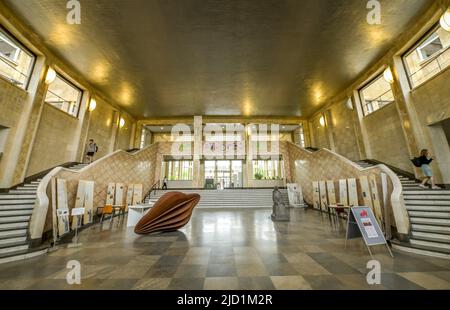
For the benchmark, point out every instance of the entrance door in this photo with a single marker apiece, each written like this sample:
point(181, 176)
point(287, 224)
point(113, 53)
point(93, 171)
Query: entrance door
point(223, 173)
point(236, 173)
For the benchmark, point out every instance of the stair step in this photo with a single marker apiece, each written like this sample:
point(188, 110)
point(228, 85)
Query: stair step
point(4, 202)
point(431, 244)
point(14, 219)
point(30, 185)
point(410, 196)
point(410, 202)
point(13, 226)
point(431, 228)
point(419, 249)
point(16, 248)
point(17, 196)
point(430, 221)
point(13, 241)
point(428, 208)
point(420, 191)
point(431, 236)
point(26, 212)
point(22, 192)
point(436, 215)
point(13, 233)
point(17, 207)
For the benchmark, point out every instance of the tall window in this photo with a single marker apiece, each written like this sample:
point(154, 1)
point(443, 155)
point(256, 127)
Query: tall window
point(16, 62)
point(267, 170)
point(301, 133)
point(376, 95)
point(428, 57)
point(179, 170)
point(142, 142)
point(64, 95)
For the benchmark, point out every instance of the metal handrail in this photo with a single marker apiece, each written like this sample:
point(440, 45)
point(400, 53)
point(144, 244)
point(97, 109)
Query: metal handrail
point(8, 64)
point(436, 60)
point(154, 188)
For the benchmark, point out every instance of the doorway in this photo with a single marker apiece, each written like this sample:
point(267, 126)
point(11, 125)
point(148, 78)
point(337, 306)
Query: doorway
point(222, 174)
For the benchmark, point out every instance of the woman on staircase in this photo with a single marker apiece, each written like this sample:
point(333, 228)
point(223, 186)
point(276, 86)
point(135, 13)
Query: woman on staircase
point(425, 160)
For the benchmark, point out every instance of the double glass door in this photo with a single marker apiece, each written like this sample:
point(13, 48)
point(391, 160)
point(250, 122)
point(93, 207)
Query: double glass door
point(224, 173)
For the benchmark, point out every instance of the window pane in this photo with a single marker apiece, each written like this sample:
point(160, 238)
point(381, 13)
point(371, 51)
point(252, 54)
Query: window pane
point(180, 170)
point(267, 170)
point(15, 61)
point(429, 57)
point(376, 95)
point(64, 96)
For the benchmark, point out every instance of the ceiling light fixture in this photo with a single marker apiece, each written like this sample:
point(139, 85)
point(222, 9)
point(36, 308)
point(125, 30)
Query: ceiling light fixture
point(322, 121)
point(349, 103)
point(50, 76)
point(387, 74)
point(121, 122)
point(92, 105)
point(445, 20)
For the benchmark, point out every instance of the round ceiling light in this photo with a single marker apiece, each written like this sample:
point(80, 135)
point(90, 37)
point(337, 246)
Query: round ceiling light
point(445, 20)
point(50, 76)
point(322, 121)
point(388, 76)
point(92, 105)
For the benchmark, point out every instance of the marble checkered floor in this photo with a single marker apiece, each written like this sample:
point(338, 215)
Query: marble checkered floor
point(226, 249)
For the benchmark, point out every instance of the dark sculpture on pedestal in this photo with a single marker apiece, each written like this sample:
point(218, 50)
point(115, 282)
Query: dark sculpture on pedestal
point(279, 213)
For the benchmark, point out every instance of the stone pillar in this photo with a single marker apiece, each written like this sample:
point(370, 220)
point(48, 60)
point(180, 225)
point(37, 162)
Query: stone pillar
point(198, 147)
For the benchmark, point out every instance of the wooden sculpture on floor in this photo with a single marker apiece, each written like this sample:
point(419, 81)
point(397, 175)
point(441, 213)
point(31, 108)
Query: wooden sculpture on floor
point(171, 212)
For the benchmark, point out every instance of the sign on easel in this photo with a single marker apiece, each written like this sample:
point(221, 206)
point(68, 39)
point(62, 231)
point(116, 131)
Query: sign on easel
point(316, 195)
point(362, 223)
point(323, 196)
point(295, 195)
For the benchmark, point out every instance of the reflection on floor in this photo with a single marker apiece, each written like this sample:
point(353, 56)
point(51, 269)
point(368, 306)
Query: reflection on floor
point(226, 249)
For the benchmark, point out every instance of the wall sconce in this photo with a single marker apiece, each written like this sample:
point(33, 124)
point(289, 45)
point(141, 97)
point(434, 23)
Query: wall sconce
point(51, 76)
point(121, 122)
point(322, 121)
point(445, 20)
point(349, 103)
point(249, 130)
point(387, 74)
point(92, 105)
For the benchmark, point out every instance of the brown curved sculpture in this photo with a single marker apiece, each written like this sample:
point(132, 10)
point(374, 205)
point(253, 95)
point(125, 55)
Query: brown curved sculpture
point(172, 211)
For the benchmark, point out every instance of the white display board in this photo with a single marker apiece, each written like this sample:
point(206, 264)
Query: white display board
point(88, 202)
point(352, 192)
point(343, 195)
point(79, 203)
point(316, 195)
point(376, 199)
point(62, 207)
point(295, 195)
point(323, 196)
point(120, 188)
point(129, 199)
point(331, 192)
point(137, 194)
point(365, 190)
point(110, 194)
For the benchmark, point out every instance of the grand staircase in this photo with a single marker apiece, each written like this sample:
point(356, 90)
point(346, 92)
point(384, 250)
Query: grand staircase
point(16, 207)
point(229, 198)
point(429, 215)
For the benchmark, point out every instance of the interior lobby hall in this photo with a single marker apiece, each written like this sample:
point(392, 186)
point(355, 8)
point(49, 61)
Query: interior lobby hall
point(224, 145)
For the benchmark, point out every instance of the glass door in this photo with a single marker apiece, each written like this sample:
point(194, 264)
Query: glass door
point(236, 173)
point(223, 173)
